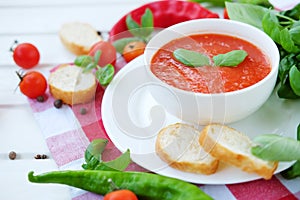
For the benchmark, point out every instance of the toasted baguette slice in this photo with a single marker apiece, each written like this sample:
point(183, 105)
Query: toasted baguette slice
point(233, 147)
point(178, 145)
point(71, 85)
point(78, 37)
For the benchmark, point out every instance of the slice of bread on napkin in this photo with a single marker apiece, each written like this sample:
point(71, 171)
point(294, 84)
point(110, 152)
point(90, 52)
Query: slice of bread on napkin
point(233, 147)
point(71, 85)
point(78, 37)
point(178, 145)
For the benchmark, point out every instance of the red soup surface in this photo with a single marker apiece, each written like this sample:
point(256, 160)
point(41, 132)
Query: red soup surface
point(210, 79)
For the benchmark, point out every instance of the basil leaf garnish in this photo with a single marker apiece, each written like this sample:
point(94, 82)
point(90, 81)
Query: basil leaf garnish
point(276, 148)
point(295, 80)
point(191, 58)
point(230, 59)
point(105, 74)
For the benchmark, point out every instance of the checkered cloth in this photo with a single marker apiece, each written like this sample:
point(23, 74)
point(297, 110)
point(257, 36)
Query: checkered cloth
point(68, 133)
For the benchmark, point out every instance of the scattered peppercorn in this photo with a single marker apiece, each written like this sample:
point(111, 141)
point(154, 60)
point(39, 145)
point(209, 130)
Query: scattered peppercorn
point(12, 155)
point(99, 33)
point(83, 111)
point(58, 103)
point(40, 98)
point(39, 156)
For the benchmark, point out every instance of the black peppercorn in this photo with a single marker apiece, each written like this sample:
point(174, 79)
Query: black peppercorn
point(58, 103)
point(40, 98)
point(12, 155)
point(83, 111)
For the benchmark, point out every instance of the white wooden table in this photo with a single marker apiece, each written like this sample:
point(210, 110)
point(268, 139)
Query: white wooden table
point(38, 22)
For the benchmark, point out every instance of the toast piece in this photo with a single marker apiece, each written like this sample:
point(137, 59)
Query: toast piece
point(178, 145)
point(78, 37)
point(71, 85)
point(233, 147)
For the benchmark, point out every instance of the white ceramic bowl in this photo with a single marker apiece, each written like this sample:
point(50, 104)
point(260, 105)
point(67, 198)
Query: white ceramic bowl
point(226, 107)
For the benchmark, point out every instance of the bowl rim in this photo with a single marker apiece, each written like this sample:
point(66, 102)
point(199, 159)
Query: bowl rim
point(275, 58)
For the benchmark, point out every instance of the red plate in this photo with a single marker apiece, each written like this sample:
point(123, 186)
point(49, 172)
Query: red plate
point(165, 13)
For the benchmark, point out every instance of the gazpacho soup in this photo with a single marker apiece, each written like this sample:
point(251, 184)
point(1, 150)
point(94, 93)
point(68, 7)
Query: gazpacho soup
point(210, 78)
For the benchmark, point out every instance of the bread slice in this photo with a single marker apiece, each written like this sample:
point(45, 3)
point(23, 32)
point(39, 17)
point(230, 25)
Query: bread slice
point(71, 85)
point(233, 147)
point(78, 37)
point(178, 145)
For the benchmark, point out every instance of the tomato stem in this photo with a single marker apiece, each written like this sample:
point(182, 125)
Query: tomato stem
point(20, 75)
point(13, 46)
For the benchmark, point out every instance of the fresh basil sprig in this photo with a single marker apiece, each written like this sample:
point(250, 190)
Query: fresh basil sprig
point(140, 32)
point(93, 158)
point(195, 59)
point(103, 74)
point(284, 29)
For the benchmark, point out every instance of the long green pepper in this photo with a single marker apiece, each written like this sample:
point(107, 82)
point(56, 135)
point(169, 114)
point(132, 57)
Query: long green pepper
point(146, 186)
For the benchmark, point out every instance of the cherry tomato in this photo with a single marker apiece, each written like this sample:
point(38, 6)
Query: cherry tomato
point(33, 84)
point(26, 55)
point(133, 50)
point(108, 53)
point(225, 14)
point(120, 195)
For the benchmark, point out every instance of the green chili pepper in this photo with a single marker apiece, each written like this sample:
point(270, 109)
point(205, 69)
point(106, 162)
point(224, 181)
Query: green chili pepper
point(144, 185)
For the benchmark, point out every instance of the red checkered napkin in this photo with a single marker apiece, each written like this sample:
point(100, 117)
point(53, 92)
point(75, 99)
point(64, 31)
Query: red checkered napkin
point(68, 133)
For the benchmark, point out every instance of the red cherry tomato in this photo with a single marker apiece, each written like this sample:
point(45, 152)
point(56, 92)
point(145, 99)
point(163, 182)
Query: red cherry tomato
point(133, 50)
point(33, 84)
point(120, 195)
point(26, 55)
point(225, 14)
point(108, 53)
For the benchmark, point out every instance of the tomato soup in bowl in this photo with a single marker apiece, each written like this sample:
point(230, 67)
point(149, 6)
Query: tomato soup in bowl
point(218, 71)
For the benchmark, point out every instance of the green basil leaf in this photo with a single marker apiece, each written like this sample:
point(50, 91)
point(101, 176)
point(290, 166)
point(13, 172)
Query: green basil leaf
point(271, 26)
point(120, 163)
point(230, 59)
point(295, 32)
point(97, 56)
point(121, 43)
point(83, 61)
point(147, 23)
point(292, 172)
point(105, 74)
point(95, 149)
point(133, 27)
point(294, 74)
point(191, 58)
point(285, 91)
point(89, 67)
point(276, 148)
point(287, 42)
point(247, 13)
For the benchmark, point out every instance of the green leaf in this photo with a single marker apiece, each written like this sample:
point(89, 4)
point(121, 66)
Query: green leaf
point(230, 59)
point(93, 152)
point(191, 58)
point(97, 56)
point(247, 13)
point(95, 149)
point(276, 148)
point(89, 67)
point(287, 42)
point(147, 23)
point(294, 74)
point(118, 164)
point(121, 43)
point(105, 75)
point(285, 91)
point(271, 26)
point(133, 27)
point(83, 61)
